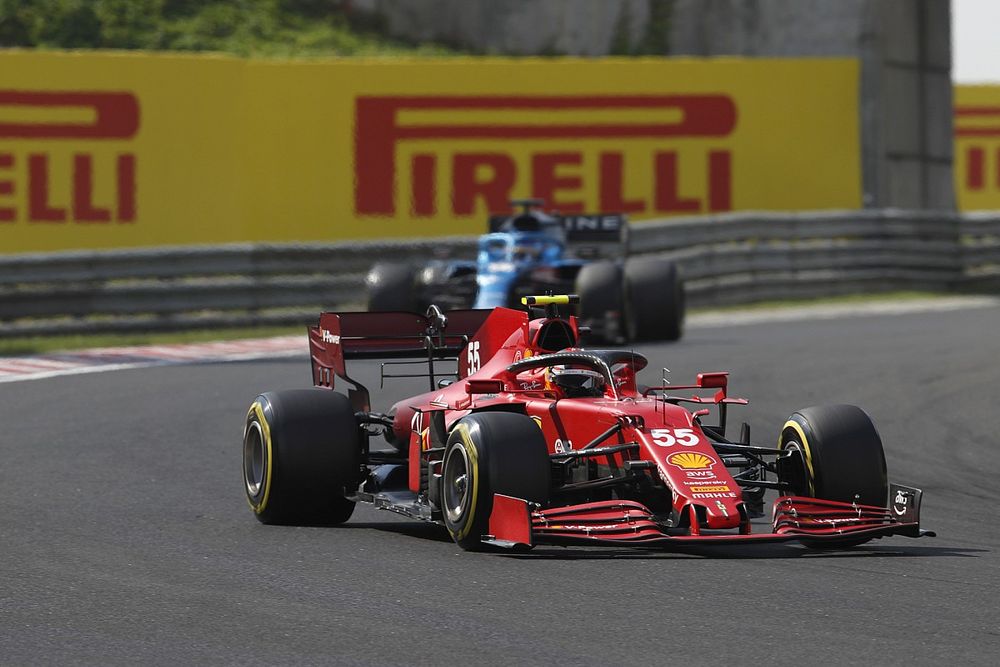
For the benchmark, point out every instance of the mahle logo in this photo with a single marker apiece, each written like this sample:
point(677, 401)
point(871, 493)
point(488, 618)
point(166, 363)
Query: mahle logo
point(574, 144)
point(58, 128)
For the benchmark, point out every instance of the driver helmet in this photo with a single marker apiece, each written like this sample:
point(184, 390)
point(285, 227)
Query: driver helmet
point(577, 382)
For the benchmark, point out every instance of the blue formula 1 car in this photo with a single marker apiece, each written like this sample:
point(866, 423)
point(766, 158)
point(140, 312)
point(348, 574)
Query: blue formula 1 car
point(622, 299)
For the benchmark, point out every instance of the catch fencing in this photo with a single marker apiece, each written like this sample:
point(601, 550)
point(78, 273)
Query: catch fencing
point(726, 259)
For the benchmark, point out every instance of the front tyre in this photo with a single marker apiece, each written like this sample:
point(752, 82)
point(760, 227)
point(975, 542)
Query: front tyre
point(488, 453)
point(835, 453)
point(301, 455)
point(841, 452)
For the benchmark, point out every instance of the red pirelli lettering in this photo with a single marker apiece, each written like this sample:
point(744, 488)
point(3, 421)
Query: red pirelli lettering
point(126, 188)
point(69, 115)
point(495, 190)
point(549, 179)
point(39, 209)
point(378, 132)
point(977, 130)
point(667, 197)
point(115, 115)
point(83, 186)
point(424, 190)
point(613, 185)
point(719, 181)
point(975, 159)
point(7, 213)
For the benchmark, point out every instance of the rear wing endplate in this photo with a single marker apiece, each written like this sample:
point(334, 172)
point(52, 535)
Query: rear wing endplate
point(341, 336)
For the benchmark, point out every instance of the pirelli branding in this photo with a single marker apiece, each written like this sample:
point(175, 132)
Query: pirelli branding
point(710, 489)
point(562, 176)
point(127, 149)
point(980, 127)
point(55, 124)
point(977, 147)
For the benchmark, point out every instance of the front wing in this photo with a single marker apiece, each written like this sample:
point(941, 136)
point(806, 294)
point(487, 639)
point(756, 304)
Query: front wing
point(515, 523)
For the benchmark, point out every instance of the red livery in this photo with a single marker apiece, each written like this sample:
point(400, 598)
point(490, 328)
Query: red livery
point(537, 441)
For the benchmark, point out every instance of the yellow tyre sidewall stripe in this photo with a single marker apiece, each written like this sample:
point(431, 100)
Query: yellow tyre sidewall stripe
point(258, 410)
point(795, 426)
point(473, 455)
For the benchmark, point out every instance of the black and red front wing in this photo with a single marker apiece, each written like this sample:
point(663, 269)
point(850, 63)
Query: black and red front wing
point(515, 522)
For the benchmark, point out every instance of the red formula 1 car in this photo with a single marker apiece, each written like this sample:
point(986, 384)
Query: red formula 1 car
point(537, 441)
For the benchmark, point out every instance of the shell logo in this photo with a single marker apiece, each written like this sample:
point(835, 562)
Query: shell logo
point(537, 420)
point(691, 460)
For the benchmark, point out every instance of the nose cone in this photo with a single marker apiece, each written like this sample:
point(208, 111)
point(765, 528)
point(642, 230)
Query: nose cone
point(696, 474)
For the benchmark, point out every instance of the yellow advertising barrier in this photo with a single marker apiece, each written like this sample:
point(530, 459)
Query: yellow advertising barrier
point(122, 150)
point(977, 147)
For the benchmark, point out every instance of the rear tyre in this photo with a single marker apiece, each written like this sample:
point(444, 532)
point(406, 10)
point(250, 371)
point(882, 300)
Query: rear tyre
point(599, 286)
point(654, 300)
point(391, 287)
point(837, 455)
point(301, 454)
point(488, 453)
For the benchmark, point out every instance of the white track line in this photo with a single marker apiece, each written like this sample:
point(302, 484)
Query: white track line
point(837, 310)
point(103, 360)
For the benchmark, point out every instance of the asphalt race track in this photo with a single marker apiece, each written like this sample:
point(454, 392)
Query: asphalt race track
point(125, 537)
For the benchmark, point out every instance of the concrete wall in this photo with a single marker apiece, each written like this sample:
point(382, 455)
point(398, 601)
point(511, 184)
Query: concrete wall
point(906, 89)
point(904, 47)
point(517, 27)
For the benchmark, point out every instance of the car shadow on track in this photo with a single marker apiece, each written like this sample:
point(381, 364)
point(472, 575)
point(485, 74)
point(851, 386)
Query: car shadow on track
point(760, 551)
point(426, 531)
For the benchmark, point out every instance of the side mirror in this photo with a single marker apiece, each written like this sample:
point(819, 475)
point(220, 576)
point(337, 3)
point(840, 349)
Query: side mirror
point(716, 380)
point(483, 386)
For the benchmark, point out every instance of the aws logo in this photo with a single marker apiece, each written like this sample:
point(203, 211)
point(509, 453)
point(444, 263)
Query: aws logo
point(56, 178)
point(574, 158)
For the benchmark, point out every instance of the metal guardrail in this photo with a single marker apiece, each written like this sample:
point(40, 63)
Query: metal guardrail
point(725, 259)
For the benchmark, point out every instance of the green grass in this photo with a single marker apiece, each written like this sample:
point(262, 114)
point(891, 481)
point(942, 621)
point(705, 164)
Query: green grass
point(47, 344)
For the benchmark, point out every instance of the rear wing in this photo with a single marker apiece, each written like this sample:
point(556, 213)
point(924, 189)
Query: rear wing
point(588, 235)
point(341, 336)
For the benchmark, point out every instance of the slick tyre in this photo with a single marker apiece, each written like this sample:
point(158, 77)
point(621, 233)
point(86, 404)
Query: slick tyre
point(301, 454)
point(837, 455)
point(599, 286)
point(654, 300)
point(842, 453)
point(488, 453)
point(391, 287)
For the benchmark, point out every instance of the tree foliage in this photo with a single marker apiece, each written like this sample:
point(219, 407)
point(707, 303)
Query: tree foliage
point(243, 27)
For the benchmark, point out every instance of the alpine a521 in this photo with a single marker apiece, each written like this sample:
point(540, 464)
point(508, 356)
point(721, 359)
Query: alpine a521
point(535, 440)
point(622, 299)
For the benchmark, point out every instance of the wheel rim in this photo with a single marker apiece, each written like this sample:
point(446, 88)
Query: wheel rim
point(456, 484)
point(801, 485)
point(254, 462)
